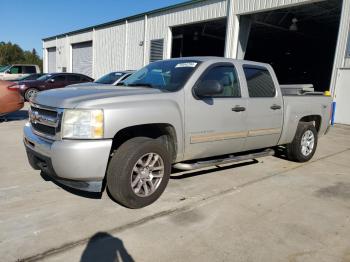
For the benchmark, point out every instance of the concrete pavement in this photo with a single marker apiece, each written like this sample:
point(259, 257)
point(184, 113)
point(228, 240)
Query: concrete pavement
point(266, 210)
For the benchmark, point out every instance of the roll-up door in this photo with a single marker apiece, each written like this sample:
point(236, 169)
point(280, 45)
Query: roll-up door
point(82, 58)
point(51, 57)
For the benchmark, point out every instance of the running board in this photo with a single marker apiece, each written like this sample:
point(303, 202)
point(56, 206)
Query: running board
point(222, 161)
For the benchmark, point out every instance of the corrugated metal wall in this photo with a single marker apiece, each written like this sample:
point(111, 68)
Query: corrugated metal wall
point(135, 42)
point(62, 53)
point(347, 59)
point(82, 37)
point(251, 6)
point(109, 47)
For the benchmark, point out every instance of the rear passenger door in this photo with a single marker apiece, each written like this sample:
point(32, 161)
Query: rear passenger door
point(264, 110)
point(73, 79)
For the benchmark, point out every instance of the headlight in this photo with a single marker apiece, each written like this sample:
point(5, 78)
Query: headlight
point(82, 124)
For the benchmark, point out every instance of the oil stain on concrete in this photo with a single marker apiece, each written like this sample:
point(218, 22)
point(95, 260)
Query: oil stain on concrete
point(339, 190)
point(187, 218)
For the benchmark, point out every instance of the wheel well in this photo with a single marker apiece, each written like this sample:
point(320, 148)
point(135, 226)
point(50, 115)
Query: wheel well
point(315, 119)
point(164, 132)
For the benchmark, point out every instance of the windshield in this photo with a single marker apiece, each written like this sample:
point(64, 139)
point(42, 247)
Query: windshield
point(4, 68)
point(44, 77)
point(109, 78)
point(169, 75)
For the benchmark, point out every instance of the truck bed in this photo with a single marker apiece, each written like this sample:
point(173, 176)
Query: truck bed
point(299, 90)
point(308, 104)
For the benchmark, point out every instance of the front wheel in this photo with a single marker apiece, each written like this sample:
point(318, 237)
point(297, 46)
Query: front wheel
point(30, 93)
point(138, 172)
point(304, 144)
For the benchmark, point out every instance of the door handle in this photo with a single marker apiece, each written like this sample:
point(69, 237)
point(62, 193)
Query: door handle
point(238, 109)
point(275, 107)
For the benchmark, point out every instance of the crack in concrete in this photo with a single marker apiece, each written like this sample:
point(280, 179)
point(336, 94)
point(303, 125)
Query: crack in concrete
point(71, 245)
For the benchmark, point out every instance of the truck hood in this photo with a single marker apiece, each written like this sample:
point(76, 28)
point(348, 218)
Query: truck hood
point(71, 97)
point(85, 84)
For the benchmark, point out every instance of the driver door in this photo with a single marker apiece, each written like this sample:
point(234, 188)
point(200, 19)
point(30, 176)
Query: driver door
point(59, 82)
point(216, 125)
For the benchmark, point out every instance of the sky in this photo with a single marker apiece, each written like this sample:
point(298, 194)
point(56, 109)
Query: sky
point(26, 22)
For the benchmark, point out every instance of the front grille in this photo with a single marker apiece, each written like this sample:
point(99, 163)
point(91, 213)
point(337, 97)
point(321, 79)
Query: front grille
point(45, 112)
point(45, 122)
point(44, 129)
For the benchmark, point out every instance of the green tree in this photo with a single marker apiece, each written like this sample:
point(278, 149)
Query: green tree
point(13, 54)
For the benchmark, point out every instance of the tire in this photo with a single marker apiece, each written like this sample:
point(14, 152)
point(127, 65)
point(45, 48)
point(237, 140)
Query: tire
point(121, 175)
point(300, 150)
point(28, 95)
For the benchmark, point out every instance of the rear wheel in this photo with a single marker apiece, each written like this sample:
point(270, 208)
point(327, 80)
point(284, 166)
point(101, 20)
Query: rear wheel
point(304, 144)
point(138, 172)
point(30, 93)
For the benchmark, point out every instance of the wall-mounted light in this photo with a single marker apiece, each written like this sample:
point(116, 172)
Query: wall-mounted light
point(141, 43)
point(294, 26)
point(196, 36)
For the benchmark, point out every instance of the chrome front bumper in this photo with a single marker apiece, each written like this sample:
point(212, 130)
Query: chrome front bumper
point(79, 164)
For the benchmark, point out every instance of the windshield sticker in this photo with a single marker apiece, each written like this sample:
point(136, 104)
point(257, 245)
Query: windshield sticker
point(118, 74)
point(190, 64)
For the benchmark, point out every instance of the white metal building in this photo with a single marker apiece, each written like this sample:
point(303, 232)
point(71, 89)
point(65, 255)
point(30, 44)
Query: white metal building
point(306, 41)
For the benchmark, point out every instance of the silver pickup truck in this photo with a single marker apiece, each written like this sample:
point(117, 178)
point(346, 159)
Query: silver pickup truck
point(184, 113)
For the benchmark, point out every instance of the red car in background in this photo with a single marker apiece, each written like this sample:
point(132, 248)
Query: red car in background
point(10, 99)
point(49, 81)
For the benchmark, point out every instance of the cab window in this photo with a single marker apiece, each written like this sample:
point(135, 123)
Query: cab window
point(227, 77)
point(29, 69)
point(60, 78)
point(73, 78)
point(259, 81)
point(16, 70)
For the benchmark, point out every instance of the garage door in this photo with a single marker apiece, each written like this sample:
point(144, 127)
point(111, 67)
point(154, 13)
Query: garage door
point(82, 58)
point(51, 56)
point(342, 110)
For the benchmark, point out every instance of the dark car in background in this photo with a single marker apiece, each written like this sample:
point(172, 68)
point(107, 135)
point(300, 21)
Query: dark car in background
point(29, 88)
point(112, 78)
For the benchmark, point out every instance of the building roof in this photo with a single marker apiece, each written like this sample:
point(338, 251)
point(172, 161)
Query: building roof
point(118, 21)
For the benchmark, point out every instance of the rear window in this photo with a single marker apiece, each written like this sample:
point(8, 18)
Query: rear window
point(259, 81)
point(86, 79)
point(29, 69)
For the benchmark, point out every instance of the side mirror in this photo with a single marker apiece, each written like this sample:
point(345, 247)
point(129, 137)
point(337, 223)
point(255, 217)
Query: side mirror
point(208, 88)
point(8, 71)
point(51, 80)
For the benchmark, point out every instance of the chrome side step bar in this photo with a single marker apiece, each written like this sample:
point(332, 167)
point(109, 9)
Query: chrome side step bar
point(222, 161)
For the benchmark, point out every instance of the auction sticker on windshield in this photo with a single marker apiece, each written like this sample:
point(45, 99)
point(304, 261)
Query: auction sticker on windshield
point(189, 64)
